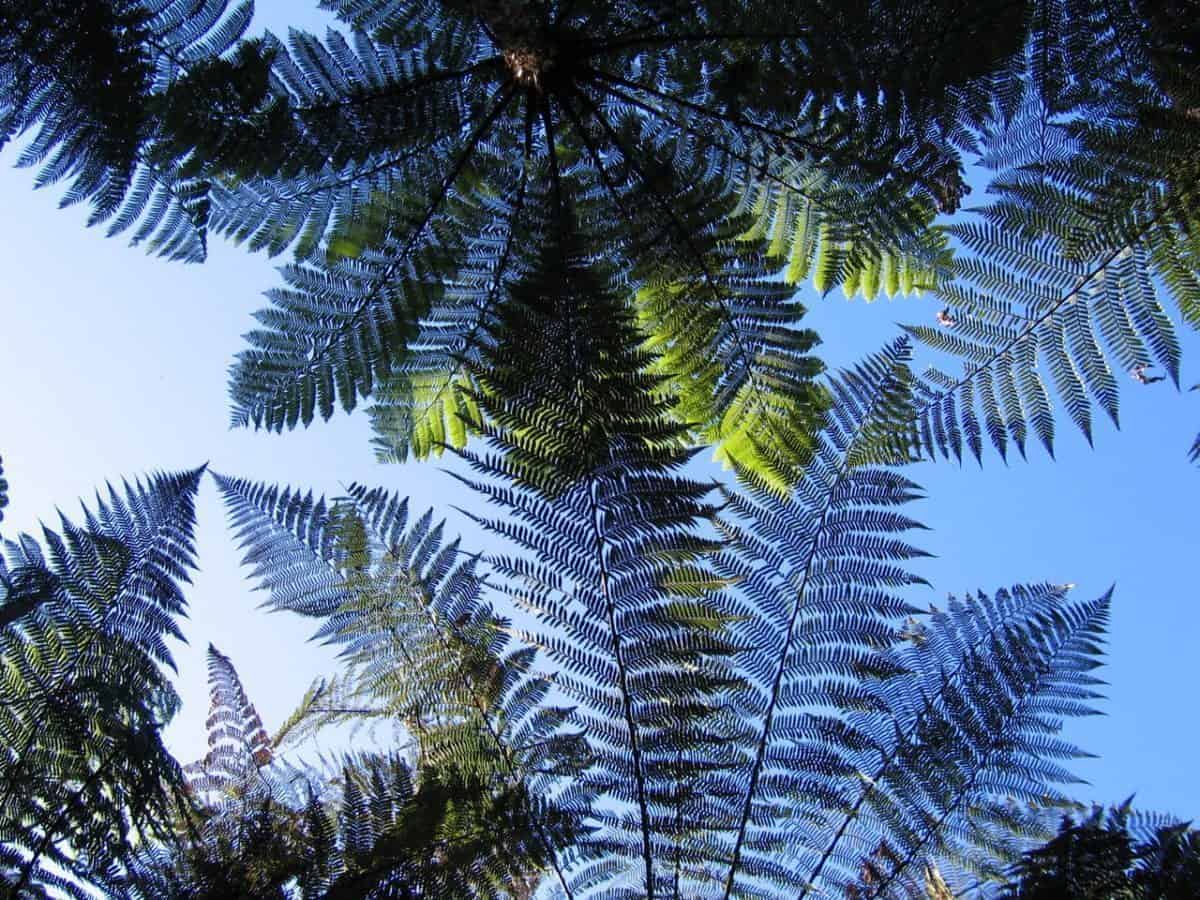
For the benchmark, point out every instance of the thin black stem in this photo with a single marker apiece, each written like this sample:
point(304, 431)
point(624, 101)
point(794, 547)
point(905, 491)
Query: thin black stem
point(596, 523)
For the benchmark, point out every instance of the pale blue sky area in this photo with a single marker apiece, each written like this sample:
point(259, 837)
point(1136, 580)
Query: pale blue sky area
point(113, 363)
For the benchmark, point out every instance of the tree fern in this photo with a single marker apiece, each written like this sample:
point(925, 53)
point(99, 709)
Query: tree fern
point(432, 134)
point(83, 624)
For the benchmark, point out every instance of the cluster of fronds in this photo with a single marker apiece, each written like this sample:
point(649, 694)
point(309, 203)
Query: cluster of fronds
point(719, 667)
point(427, 147)
point(424, 652)
point(83, 696)
point(1059, 293)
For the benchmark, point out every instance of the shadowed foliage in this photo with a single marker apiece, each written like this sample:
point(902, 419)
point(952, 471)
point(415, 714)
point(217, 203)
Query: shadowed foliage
point(1117, 853)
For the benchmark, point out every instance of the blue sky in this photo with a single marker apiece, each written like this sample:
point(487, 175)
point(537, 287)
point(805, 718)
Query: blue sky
point(114, 363)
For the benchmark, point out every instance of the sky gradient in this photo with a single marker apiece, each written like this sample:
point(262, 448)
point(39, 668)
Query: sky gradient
point(114, 364)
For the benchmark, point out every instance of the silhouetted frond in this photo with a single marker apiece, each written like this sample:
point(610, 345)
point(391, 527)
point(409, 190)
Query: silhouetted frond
point(1096, 217)
point(820, 570)
point(107, 88)
point(1111, 853)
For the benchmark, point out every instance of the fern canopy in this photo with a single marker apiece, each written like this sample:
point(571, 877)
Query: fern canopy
point(132, 102)
point(697, 667)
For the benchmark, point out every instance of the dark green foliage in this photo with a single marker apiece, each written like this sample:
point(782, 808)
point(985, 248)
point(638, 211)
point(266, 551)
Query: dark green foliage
point(83, 698)
point(1111, 854)
point(121, 97)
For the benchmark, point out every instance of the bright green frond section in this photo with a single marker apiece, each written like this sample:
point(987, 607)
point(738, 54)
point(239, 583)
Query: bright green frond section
point(829, 236)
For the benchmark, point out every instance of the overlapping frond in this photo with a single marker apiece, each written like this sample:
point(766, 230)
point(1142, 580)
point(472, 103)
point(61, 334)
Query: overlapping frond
point(821, 570)
point(610, 565)
point(422, 649)
point(83, 695)
point(101, 85)
point(3, 490)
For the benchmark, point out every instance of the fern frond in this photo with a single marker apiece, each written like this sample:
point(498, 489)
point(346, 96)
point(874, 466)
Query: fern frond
point(421, 647)
point(820, 571)
point(83, 698)
point(1063, 282)
point(968, 741)
point(611, 565)
point(97, 84)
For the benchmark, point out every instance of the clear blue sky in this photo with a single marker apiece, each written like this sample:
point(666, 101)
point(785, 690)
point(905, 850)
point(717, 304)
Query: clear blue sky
point(114, 364)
